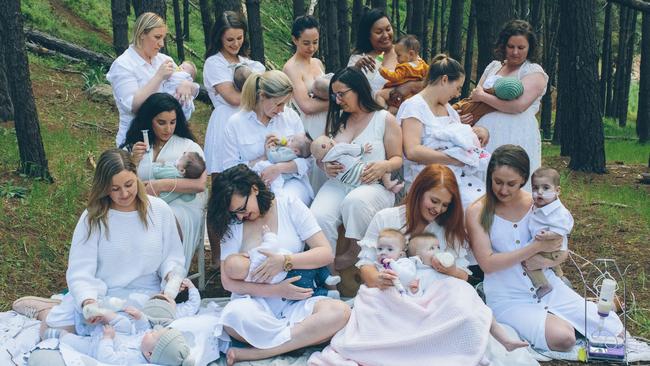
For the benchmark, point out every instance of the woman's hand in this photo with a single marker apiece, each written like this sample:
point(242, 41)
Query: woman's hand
point(373, 172)
point(271, 141)
point(288, 291)
point(94, 319)
point(467, 118)
point(366, 63)
point(273, 265)
point(385, 279)
point(152, 188)
point(165, 70)
point(549, 245)
point(270, 174)
point(332, 169)
point(478, 94)
point(184, 92)
point(138, 150)
point(435, 263)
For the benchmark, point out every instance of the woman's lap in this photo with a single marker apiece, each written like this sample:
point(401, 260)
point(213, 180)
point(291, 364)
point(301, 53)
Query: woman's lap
point(191, 219)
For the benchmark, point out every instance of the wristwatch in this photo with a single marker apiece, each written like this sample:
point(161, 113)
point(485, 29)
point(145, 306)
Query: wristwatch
point(288, 266)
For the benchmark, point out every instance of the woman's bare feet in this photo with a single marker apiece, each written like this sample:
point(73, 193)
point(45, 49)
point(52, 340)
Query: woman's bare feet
point(511, 344)
point(502, 336)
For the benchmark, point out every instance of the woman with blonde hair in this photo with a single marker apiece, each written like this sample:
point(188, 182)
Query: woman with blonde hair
point(141, 70)
point(125, 244)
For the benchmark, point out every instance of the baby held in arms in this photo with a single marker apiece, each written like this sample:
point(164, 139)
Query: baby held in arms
point(190, 165)
point(286, 149)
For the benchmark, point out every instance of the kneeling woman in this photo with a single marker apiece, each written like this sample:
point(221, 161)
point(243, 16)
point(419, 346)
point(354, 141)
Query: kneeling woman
point(273, 318)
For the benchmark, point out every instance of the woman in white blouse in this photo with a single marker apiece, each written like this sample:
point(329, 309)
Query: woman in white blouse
point(141, 70)
point(228, 48)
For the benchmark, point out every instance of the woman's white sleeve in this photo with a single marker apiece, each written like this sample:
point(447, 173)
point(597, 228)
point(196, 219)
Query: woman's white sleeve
point(302, 218)
point(231, 243)
point(368, 244)
point(231, 155)
point(173, 255)
point(124, 84)
point(216, 72)
point(82, 264)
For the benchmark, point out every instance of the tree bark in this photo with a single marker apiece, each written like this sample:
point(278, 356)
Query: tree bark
point(255, 30)
point(551, 24)
point(344, 31)
point(621, 55)
point(643, 113)
point(443, 26)
point(207, 21)
point(6, 107)
point(469, 50)
point(582, 128)
point(33, 161)
point(417, 23)
point(379, 4)
point(186, 20)
point(624, 95)
point(357, 9)
point(120, 26)
point(332, 56)
point(455, 30)
point(436, 28)
point(155, 6)
point(640, 5)
point(606, 57)
point(180, 51)
point(426, 51)
point(298, 8)
point(536, 7)
point(522, 12)
point(491, 15)
point(64, 47)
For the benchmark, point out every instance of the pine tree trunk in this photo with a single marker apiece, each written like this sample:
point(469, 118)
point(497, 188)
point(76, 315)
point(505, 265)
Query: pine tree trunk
point(154, 6)
point(357, 8)
point(186, 20)
point(536, 12)
point(120, 26)
point(417, 22)
point(321, 10)
point(255, 30)
point(523, 12)
point(332, 57)
point(178, 26)
point(6, 107)
point(436, 28)
point(298, 8)
point(582, 129)
point(551, 24)
point(33, 161)
point(425, 42)
point(643, 113)
point(619, 75)
point(443, 26)
point(344, 32)
point(469, 50)
point(206, 21)
point(491, 15)
point(606, 58)
point(624, 96)
point(455, 30)
point(409, 17)
point(379, 4)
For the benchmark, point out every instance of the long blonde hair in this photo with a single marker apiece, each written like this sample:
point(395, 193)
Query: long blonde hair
point(110, 163)
point(144, 24)
point(271, 84)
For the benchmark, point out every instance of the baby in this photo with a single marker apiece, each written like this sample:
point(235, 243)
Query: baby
point(326, 150)
point(320, 89)
point(463, 143)
point(190, 165)
point(243, 267)
point(505, 88)
point(161, 309)
point(185, 71)
point(391, 254)
point(550, 220)
point(410, 67)
point(243, 70)
point(287, 149)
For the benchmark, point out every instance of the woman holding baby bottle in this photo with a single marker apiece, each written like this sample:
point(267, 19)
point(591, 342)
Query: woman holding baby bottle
point(228, 48)
point(514, 121)
point(272, 318)
point(141, 71)
point(161, 116)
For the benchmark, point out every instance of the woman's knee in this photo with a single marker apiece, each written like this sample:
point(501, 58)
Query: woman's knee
point(337, 311)
point(560, 335)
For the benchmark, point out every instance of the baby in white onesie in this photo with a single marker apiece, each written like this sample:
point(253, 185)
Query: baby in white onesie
point(326, 150)
point(391, 254)
point(463, 143)
point(185, 71)
point(288, 149)
point(550, 220)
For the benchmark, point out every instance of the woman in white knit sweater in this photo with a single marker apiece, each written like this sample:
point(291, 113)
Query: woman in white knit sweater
point(124, 245)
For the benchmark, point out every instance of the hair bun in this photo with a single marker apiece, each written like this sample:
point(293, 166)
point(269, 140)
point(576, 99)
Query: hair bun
point(508, 88)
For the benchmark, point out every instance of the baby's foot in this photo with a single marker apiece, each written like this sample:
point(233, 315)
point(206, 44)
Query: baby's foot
point(265, 229)
point(231, 356)
point(395, 186)
point(334, 294)
point(332, 280)
point(512, 345)
point(543, 290)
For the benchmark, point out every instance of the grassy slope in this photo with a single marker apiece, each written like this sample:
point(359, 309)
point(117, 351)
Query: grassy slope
point(35, 231)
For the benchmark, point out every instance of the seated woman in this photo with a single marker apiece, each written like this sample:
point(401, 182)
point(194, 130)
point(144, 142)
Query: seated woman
point(259, 125)
point(273, 318)
point(498, 231)
point(355, 118)
point(125, 244)
point(162, 117)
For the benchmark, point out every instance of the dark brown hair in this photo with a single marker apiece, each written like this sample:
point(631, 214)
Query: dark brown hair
point(516, 27)
point(194, 165)
point(227, 20)
point(442, 65)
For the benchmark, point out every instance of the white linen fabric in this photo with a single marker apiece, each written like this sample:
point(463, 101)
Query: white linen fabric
point(217, 70)
point(519, 128)
point(128, 73)
point(552, 217)
point(170, 85)
point(270, 241)
point(375, 79)
point(189, 214)
point(512, 297)
point(191, 306)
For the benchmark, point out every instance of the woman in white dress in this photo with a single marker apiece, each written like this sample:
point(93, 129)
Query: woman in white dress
point(141, 70)
point(355, 118)
point(170, 137)
point(302, 68)
point(229, 47)
point(272, 318)
point(514, 121)
point(499, 236)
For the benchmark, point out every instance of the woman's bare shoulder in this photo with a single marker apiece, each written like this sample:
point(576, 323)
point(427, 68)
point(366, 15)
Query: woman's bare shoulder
point(474, 209)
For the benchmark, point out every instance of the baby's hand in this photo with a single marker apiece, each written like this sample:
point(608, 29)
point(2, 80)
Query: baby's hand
point(547, 235)
point(133, 312)
point(265, 229)
point(414, 286)
point(187, 284)
point(367, 148)
point(109, 332)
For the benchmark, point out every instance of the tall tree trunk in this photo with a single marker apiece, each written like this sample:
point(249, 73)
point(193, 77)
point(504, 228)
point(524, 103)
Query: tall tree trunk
point(491, 15)
point(582, 128)
point(536, 7)
point(522, 12)
point(120, 26)
point(624, 95)
point(344, 31)
point(33, 161)
point(426, 51)
point(255, 30)
point(321, 11)
point(298, 8)
point(643, 113)
point(436, 28)
point(186, 20)
point(379, 4)
point(551, 24)
point(207, 21)
point(606, 58)
point(455, 30)
point(180, 51)
point(469, 50)
point(409, 18)
point(6, 107)
point(332, 57)
point(443, 26)
point(417, 23)
point(619, 76)
point(154, 6)
point(357, 9)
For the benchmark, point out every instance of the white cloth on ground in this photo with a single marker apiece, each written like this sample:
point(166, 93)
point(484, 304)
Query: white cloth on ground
point(552, 217)
point(511, 294)
point(169, 86)
point(189, 214)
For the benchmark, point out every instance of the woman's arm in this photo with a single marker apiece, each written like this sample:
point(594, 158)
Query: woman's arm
point(371, 277)
point(164, 72)
point(306, 104)
point(393, 146)
point(179, 185)
point(416, 152)
point(534, 85)
point(540, 262)
point(229, 93)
